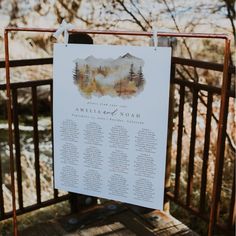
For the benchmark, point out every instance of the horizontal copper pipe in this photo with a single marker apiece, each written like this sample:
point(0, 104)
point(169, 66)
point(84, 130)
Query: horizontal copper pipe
point(130, 33)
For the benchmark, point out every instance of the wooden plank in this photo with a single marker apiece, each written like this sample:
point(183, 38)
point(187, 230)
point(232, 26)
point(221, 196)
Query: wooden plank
point(165, 224)
point(95, 230)
point(119, 229)
point(135, 225)
point(114, 229)
point(117, 220)
point(44, 229)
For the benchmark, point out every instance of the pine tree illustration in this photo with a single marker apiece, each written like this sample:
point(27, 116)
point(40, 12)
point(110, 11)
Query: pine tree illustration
point(86, 81)
point(141, 78)
point(76, 73)
point(131, 72)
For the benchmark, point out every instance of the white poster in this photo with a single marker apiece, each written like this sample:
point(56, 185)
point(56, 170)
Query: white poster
point(110, 113)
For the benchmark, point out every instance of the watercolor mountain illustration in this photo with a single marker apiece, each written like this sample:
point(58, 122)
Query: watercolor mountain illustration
point(115, 77)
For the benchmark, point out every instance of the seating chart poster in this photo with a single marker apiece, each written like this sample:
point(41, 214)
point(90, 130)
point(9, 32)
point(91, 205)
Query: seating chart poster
point(110, 113)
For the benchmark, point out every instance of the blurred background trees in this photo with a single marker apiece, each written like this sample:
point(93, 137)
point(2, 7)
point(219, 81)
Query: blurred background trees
point(211, 16)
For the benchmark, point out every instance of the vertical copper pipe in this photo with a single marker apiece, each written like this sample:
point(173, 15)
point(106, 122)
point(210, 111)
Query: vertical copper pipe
point(219, 162)
point(10, 132)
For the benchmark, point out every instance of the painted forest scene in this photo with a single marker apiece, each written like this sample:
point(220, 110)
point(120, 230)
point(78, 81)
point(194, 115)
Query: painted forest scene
point(121, 77)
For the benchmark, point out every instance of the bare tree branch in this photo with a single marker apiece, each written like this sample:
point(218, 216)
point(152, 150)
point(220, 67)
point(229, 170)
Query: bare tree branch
point(73, 13)
point(231, 15)
point(131, 14)
point(139, 12)
point(184, 41)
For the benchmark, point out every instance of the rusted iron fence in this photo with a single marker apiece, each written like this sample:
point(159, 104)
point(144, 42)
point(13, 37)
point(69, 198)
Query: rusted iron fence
point(37, 171)
point(186, 91)
point(184, 194)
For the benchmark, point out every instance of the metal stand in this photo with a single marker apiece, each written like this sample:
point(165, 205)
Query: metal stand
point(222, 117)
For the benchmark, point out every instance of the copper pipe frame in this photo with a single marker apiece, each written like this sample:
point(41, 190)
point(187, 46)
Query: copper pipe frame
point(10, 132)
point(219, 162)
point(222, 116)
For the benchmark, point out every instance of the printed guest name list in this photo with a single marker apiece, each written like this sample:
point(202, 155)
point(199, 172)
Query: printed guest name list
point(110, 112)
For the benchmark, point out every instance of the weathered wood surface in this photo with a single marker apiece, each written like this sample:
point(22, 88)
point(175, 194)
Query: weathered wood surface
point(111, 219)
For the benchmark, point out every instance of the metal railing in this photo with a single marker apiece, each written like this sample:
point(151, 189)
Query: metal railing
point(182, 87)
point(206, 95)
point(17, 115)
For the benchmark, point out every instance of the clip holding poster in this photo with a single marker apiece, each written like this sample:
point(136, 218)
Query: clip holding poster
point(109, 133)
point(155, 39)
point(63, 28)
